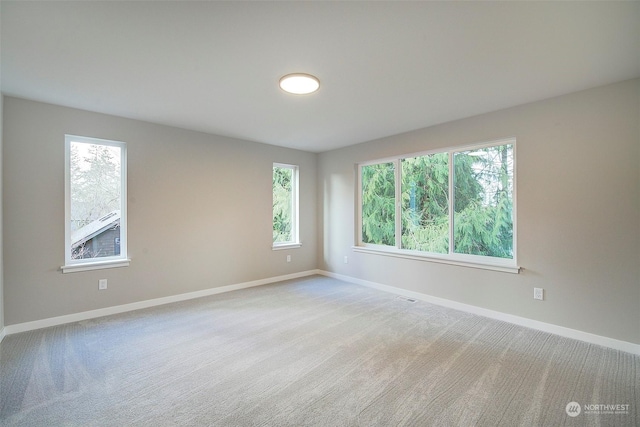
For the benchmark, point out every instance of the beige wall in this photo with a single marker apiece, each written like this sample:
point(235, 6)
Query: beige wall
point(578, 190)
point(199, 212)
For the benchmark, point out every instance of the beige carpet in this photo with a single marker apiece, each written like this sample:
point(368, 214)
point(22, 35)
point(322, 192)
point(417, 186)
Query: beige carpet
point(309, 352)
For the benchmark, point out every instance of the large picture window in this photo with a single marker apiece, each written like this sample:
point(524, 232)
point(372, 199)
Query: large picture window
point(455, 206)
point(285, 206)
point(95, 193)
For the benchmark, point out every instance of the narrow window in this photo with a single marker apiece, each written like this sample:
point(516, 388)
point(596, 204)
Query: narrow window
point(285, 205)
point(95, 195)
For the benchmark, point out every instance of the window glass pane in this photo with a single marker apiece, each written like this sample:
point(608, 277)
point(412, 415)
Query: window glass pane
point(483, 213)
point(95, 200)
point(283, 187)
point(425, 203)
point(378, 204)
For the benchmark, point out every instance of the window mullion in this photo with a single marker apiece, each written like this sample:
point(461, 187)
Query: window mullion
point(296, 205)
point(398, 178)
point(451, 201)
point(359, 220)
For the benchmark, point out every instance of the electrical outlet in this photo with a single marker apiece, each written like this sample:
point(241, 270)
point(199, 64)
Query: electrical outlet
point(102, 284)
point(346, 259)
point(538, 293)
point(288, 258)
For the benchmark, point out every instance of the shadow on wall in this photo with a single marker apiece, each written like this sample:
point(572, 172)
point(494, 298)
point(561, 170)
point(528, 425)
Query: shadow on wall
point(338, 221)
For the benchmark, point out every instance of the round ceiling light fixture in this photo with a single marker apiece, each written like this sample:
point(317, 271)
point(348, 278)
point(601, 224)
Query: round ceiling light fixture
point(299, 83)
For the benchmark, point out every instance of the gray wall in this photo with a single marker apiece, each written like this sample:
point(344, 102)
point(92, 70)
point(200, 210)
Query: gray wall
point(199, 212)
point(578, 190)
point(1, 257)
point(578, 197)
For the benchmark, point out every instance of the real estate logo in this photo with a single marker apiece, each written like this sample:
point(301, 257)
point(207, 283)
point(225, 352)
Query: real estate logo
point(573, 409)
point(606, 408)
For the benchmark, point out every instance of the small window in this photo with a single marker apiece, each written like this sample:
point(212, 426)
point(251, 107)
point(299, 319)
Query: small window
point(285, 206)
point(95, 193)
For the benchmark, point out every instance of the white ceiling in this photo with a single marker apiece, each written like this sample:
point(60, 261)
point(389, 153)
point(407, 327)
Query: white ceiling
point(384, 67)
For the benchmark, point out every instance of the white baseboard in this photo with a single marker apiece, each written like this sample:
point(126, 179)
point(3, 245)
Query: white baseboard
point(521, 321)
point(85, 315)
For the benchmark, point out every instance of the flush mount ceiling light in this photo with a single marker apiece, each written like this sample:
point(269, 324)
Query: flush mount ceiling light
point(299, 83)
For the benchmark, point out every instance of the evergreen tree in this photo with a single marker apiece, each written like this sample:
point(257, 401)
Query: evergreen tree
point(282, 204)
point(378, 204)
point(425, 203)
point(483, 218)
point(95, 182)
point(483, 202)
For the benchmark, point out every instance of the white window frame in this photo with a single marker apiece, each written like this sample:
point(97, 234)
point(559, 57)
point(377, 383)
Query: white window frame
point(295, 208)
point(74, 265)
point(467, 260)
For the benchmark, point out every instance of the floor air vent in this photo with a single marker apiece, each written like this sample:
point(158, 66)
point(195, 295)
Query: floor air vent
point(402, 297)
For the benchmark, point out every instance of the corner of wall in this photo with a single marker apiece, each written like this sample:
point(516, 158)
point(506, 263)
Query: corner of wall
point(1, 239)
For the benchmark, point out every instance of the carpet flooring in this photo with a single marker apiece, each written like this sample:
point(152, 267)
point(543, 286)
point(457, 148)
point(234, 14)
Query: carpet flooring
point(310, 352)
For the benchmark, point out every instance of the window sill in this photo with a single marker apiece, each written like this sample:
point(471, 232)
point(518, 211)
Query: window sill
point(505, 267)
point(95, 265)
point(286, 246)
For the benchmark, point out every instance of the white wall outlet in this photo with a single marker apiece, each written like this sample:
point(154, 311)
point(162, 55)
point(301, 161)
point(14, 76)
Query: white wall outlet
point(102, 284)
point(288, 258)
point(346, 259)
point(538, 293)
